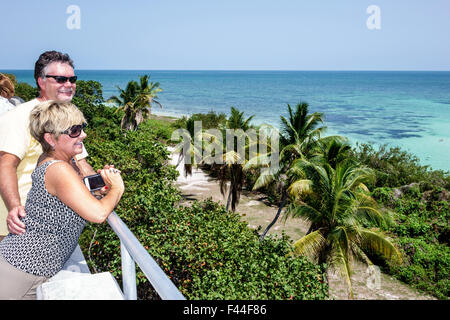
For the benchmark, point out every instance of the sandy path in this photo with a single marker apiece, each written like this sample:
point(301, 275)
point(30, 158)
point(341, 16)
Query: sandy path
point(368, 284)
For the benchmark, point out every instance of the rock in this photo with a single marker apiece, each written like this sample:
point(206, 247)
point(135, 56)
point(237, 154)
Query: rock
point(399, 192)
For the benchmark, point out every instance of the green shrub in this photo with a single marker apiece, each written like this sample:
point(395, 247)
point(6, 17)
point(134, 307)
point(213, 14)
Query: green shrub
point(226, 260)
point(422, 231)
point(384, 195)
point(395, 167)
point(25, 91)
point(427, 266)
point(210, 120)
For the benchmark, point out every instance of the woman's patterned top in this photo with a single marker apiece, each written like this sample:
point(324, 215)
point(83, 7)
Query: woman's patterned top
point(52, 231)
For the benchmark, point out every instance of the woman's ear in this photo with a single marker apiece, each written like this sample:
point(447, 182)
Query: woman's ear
point(50, 139)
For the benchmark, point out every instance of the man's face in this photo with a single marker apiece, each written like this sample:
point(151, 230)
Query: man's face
point(51, 89)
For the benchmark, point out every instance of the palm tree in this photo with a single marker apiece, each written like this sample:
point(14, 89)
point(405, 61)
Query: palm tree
point(136, 101)
point(301, 130)
point(237, 120)
point(232, 168)
point(336, 203)
point(300, 133)
point(331, 150)
point(229, 164)
point(188, 150)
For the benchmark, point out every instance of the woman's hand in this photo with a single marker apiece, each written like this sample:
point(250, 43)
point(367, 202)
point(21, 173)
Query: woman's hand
point(103, 191)
point(112, 178)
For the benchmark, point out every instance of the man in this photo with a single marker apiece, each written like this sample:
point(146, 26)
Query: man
point(19, 152)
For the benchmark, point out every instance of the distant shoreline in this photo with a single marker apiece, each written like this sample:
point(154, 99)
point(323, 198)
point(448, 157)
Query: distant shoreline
point(164, 118)
point(234, 70)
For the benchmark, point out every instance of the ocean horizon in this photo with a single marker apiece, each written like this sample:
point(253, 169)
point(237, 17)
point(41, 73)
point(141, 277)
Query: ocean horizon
point(409, 109)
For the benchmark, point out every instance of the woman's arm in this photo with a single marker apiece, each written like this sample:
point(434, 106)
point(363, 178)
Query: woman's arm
point(62, 181)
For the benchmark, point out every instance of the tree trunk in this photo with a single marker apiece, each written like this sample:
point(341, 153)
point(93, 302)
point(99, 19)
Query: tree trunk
point(283, 202)
point(229, 199)
point(230, 194)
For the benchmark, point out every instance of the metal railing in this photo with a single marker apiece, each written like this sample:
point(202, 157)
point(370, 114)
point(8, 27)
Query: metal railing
point(133, 252)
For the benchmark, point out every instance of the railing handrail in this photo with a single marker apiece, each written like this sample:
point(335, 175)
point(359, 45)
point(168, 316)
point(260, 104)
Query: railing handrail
point(159, 280)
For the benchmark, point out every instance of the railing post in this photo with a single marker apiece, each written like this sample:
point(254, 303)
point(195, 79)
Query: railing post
point(133, 252)
point(128, 274)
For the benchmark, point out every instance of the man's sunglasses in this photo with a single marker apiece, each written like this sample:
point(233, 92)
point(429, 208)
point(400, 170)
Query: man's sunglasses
point(75, 131)
point(62, 79)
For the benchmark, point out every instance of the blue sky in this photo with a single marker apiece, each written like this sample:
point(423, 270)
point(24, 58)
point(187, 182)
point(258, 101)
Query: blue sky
point(230, 35)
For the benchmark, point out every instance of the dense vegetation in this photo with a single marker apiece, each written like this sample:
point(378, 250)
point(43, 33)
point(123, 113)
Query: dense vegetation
point(206, 250)
point(420, 199)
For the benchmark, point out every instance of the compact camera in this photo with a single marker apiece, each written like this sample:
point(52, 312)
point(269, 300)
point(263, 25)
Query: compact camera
point(94, 182)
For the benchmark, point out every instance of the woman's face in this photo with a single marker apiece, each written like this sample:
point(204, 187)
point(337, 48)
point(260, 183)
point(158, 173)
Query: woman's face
point(70, 146)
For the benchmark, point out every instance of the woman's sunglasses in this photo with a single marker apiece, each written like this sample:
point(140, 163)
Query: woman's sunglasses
point(75, 131)
point(62, 79)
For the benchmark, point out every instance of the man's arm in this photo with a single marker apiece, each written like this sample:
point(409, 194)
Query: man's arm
point(85, 168)
point(9, 191)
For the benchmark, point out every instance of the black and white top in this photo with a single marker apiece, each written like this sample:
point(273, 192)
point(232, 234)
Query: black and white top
point(52, 231)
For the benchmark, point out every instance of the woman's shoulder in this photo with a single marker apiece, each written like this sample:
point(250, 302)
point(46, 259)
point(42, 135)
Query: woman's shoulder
point(55, 167)
point(58, 174)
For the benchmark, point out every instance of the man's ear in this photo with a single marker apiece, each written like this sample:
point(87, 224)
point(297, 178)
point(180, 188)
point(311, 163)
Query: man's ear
point(40, 83)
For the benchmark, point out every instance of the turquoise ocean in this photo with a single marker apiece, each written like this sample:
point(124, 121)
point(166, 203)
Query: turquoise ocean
point(408, 109)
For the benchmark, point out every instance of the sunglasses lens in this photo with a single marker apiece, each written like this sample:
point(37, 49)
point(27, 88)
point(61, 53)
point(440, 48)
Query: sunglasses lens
point(61, 79)
point(75, 131)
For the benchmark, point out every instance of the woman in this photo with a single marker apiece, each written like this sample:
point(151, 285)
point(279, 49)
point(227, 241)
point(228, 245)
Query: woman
point(6, 93)
point(57, 205)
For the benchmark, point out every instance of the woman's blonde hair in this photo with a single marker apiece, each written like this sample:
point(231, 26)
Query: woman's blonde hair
point(53, 117)
point(6, 87)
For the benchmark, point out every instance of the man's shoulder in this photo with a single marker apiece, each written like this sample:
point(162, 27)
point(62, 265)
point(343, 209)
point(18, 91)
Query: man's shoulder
point(27, 106)
point(5, 105)
point(20, 112)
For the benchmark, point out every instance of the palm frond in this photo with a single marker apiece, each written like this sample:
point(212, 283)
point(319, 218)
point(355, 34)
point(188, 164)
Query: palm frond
point(310, 245)
point(300, 187)
point(258, 161)
point(266, 176)
point(115, 100)
point(304, 211)
point(380, 244)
